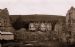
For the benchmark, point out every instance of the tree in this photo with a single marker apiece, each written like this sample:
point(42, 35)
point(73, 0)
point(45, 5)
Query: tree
point(19, 23)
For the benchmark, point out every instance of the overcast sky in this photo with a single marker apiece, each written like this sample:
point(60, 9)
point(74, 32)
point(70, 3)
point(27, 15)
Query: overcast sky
point(24, 7)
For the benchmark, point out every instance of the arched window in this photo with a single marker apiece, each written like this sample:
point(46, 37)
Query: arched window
point(32, 26)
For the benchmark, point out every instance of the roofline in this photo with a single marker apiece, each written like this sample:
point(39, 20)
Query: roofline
point(37, 15)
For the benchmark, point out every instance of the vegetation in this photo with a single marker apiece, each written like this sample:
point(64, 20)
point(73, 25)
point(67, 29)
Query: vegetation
point(19, 23)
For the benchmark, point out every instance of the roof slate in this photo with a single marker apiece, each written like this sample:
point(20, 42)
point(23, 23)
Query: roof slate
point(37, 17)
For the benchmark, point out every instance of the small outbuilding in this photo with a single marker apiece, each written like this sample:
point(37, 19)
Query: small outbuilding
point(6, 35)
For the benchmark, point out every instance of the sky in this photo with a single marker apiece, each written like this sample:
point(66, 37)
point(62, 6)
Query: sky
point(25, 7)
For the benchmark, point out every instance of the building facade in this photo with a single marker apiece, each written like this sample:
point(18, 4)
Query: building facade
point(39, 22)
point(36, 21)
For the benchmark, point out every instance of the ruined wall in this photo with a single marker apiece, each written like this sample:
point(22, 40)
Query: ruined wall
point(70, 24)
point(4, 20)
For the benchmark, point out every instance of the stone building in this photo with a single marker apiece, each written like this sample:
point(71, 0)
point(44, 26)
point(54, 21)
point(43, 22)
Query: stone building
point(39, 22)
point(70, 23)
point(36, 21)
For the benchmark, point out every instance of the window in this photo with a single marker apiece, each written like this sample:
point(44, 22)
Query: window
point(0, 23)
point(32, 26)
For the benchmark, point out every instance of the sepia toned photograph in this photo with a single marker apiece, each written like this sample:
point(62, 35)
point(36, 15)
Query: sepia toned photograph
point(37, 23)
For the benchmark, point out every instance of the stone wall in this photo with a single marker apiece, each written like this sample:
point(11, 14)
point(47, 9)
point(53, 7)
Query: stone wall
point(70, 24)
point(4, 20)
